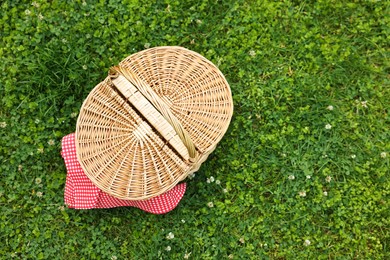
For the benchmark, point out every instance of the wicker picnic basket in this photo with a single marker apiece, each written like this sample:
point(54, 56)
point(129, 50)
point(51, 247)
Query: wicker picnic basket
point(153, 121)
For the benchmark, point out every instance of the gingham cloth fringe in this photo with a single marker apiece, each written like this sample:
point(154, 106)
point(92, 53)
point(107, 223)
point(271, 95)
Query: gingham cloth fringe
point(81, 193)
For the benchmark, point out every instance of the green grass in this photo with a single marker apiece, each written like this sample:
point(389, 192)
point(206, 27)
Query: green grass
point(286, 62)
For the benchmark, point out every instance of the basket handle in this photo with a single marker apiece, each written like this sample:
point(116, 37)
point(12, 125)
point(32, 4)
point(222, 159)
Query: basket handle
point(154, 109)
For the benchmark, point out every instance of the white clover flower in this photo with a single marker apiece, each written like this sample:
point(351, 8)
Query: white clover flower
point(218, 182)
point(353, 156)
point(330, 107)
point(307, 242)
point(308, 177)
point(170, 235)
point(210, 204)
point(51, 142)
point(225, 190)
point(231, 256)
point(38, 180)
point(191, 176)
point(302, 193)
point(187, 255)
point(27, 12)
point(39, 194)
point(383, 154)
point(85, 67)
point(242, 240)
point(168, 248)
point(291, 177)
point(3, 124)
point(209, 180)
point(198, 21)
point(40, 16)
point(114, 257)
point(328, 126)
point(328, 179)
point(40, 150)
point(252, 53)
point(364, 104)
point(35, 4)
point(183, 221)
point(325, 193)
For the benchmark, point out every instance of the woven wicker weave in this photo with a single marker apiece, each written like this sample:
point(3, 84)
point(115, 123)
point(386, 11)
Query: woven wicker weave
point(152, 122)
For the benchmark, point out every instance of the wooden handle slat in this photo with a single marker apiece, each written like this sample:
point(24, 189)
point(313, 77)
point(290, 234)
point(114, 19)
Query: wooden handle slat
point(151, 114)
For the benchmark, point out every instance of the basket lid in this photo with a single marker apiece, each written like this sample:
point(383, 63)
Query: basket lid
point(152, 121)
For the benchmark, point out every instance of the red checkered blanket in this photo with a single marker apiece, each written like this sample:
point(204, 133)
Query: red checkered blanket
point(81, 193)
